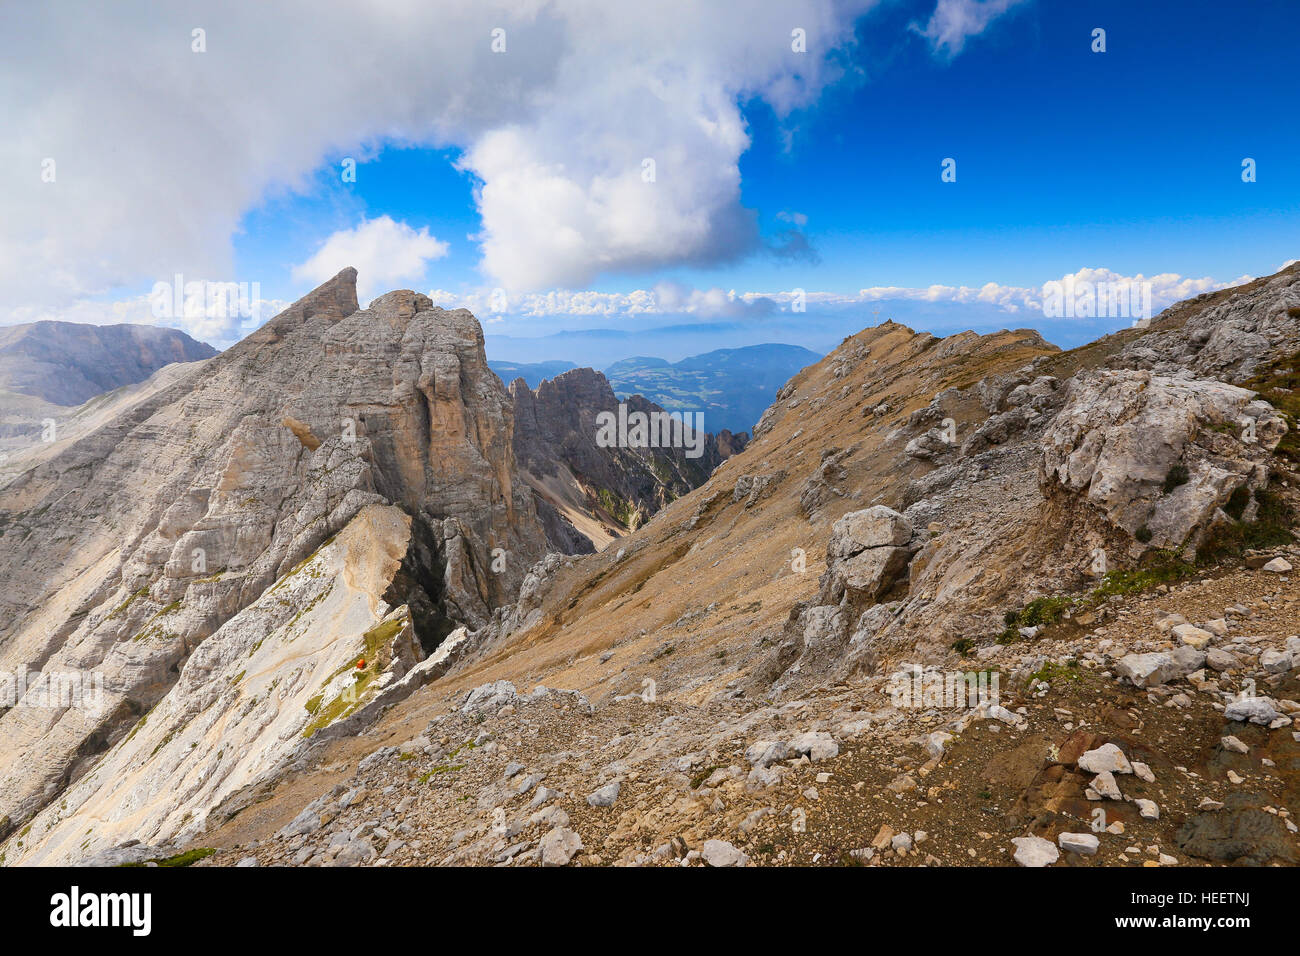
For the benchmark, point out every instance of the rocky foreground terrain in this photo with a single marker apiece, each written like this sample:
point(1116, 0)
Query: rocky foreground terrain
point(766, 672)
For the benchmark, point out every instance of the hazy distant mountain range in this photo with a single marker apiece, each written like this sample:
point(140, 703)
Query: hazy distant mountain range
point(66, 363)
point(732, 387)
point(534, 373)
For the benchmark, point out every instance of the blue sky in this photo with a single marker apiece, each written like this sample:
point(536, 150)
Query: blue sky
point(817, 171)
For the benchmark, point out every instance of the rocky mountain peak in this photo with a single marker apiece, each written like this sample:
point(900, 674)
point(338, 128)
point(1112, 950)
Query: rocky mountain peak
point(331, 301)
point(590, 490)
point(159, 530)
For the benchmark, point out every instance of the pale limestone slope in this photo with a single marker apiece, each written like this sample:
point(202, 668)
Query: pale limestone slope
point(245, 699)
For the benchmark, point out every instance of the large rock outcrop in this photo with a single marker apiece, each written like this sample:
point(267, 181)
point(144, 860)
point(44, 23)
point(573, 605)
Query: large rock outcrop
point(1158, 453)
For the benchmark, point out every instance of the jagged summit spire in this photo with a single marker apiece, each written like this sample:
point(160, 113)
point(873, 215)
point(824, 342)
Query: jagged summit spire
point(334, 299)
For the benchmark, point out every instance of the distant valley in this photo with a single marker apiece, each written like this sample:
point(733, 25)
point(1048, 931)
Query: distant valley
point(732, 387)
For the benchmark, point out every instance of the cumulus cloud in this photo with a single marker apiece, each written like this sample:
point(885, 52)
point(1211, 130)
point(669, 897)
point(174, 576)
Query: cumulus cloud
point(956, 21)
point(133, 156)
point(676, 298)
point(386, 253)
point(665, 298)
point(1164, 289)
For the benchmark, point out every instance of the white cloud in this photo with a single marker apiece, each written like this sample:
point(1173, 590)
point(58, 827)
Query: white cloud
point(159, 151)
point(666, 298)
point(956, 21)
point(385, 253)
point(1166, 289)
point(677, 299)
point(221, 326)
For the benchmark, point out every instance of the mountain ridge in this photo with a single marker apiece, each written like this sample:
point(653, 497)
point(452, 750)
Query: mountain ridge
point(68, 363)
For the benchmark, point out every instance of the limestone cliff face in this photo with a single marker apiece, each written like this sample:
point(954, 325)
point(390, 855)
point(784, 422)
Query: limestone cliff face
point(556, 445)
point(124, 552)
point(319, 646)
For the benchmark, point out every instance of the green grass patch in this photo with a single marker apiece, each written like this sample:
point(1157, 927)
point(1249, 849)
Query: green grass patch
point(441, 769)
point(1057, 674)
point(188, 858)
point(1271, 527)
point(375, 643)
point(1155, 568)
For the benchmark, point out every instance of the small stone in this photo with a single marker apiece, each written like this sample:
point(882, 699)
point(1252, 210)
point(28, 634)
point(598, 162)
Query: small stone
point(1107, 757)
point(1278, 566)
point(1233, 744)
point(1082, 843)
point(304, 823)
point(559, 846)
point(902, 784)
point(1146, 670)
point(1275, 662)
point(1032, 851)
point(1192, 636)
point(355, 853)
point(605, 796)
point(1168, 622)
point(1104, 783)
point(1257, 710)
point(1220, 660)
point(722, 853)
point(817, 745)
point(1143, 772)
point(937, 742)
point(1148, 809)
point(763, 753)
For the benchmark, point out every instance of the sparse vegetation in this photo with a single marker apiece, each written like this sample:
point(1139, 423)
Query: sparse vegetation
point(1056, 674)
point(373, 660)
point(1040, 612)
point(1155, 568)
point(1178, 475)
point(1271, 527)
point(121, 608)
point(188, 858)
point(1278, 383)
